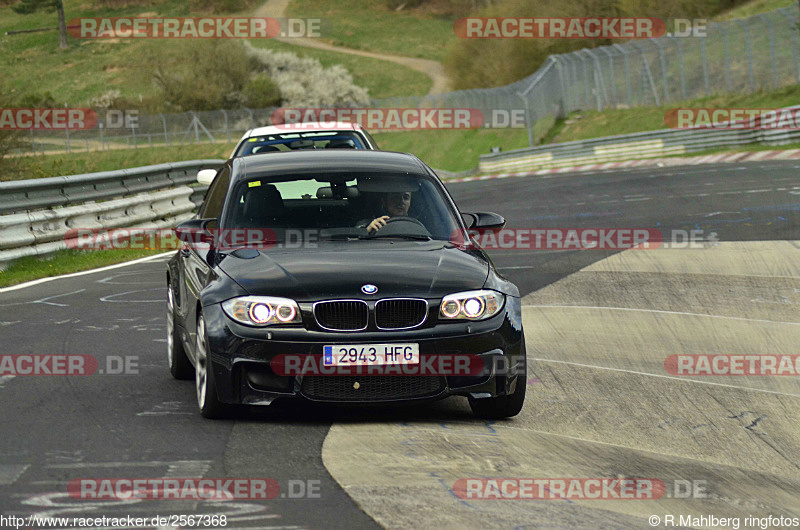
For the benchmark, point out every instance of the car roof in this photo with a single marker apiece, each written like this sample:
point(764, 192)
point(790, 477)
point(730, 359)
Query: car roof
point(327, 161)
point(303, 127)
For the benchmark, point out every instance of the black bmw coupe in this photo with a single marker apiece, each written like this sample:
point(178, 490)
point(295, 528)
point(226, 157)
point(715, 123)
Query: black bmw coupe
point(340, 277)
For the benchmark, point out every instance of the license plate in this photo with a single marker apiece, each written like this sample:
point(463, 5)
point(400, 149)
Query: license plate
point(370, 354)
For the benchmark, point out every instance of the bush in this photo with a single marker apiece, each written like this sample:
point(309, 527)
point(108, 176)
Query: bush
point(210, 75)
point(303, 82)
point(261, 92)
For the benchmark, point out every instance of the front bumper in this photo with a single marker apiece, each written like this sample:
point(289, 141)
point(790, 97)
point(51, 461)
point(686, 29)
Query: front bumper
point(240, 357)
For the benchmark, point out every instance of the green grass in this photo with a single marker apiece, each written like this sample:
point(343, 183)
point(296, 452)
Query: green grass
point(383, 79)
point(452, 150)
point(371, 25)
point(755, 7)
point(32, 63)
point(39, 166)
point(65, 262)
point(593, 124)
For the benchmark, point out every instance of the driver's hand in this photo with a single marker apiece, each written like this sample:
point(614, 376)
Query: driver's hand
point(377, 224)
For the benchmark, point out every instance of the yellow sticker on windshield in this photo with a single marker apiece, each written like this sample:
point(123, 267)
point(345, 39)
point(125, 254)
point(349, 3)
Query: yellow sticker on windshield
point(254, 184)
point(253, 140)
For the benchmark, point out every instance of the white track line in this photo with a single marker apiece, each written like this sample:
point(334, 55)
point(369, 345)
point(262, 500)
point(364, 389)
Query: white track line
point(83, 273)
point(666, 377)
point(664, 312)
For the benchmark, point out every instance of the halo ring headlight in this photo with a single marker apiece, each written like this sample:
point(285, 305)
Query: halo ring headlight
point(260, 313)
point(451, 308)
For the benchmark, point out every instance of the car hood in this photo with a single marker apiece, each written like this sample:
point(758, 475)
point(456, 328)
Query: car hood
point(339, 270)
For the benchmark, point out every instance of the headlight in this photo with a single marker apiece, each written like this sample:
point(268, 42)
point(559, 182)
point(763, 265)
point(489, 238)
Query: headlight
point(471, 305)
point(262, 310)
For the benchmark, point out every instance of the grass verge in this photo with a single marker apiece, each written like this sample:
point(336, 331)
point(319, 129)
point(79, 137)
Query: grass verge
point(65, 262)
point(592, 124)
point(453, 150)
point(374, 27)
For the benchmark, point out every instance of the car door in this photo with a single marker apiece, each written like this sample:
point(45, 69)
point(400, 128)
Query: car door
point(196, 259)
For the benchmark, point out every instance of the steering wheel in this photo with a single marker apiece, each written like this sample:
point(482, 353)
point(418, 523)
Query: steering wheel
point(407, 219)
point(419, 228)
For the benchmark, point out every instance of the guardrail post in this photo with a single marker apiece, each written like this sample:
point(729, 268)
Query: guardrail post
point(749, 44)
point(69, 145)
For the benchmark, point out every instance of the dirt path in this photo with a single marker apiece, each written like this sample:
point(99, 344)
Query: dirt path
point(433, 69)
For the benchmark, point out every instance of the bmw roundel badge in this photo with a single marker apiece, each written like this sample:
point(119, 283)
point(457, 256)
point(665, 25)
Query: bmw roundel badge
point(369, 289)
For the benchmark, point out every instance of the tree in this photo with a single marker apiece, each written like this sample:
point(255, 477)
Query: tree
point(26, 7)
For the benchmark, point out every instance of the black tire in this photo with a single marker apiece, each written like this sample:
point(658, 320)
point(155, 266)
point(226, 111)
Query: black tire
point(206, 388)
point(500, 407)
point(179, 365)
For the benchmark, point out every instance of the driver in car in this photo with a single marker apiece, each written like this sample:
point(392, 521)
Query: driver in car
point(395, 204)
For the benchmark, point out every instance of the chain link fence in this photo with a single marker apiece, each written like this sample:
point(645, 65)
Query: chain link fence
point(760, 53)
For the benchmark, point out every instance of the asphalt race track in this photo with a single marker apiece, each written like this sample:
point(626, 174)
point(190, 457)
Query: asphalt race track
point(599, 326)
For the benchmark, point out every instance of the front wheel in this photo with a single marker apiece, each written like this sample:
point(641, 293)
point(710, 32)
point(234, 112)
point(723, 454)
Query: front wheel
point(207, 401)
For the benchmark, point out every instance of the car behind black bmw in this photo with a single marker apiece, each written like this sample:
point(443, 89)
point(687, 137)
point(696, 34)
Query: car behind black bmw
point(340, 277)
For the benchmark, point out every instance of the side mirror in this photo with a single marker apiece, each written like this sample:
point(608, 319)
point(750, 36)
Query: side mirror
point(206, 176)
point(484, 220)
point(196, 231)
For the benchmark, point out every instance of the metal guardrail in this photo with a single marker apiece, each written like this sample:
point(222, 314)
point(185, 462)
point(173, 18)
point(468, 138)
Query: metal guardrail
point(40, 213)
point(632, 146)
point(22, 195)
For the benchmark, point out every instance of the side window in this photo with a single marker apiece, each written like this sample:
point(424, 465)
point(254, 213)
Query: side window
point(370, 138)
point(215, 200)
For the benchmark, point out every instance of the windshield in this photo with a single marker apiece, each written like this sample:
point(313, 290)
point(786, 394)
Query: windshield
point(292, 141)
point(343, 207)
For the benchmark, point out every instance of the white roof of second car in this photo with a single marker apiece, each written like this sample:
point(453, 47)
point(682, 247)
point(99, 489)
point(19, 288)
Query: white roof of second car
point(281, 129)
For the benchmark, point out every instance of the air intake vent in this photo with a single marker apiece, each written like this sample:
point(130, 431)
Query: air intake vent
point(400, 313)
point(342, 315)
